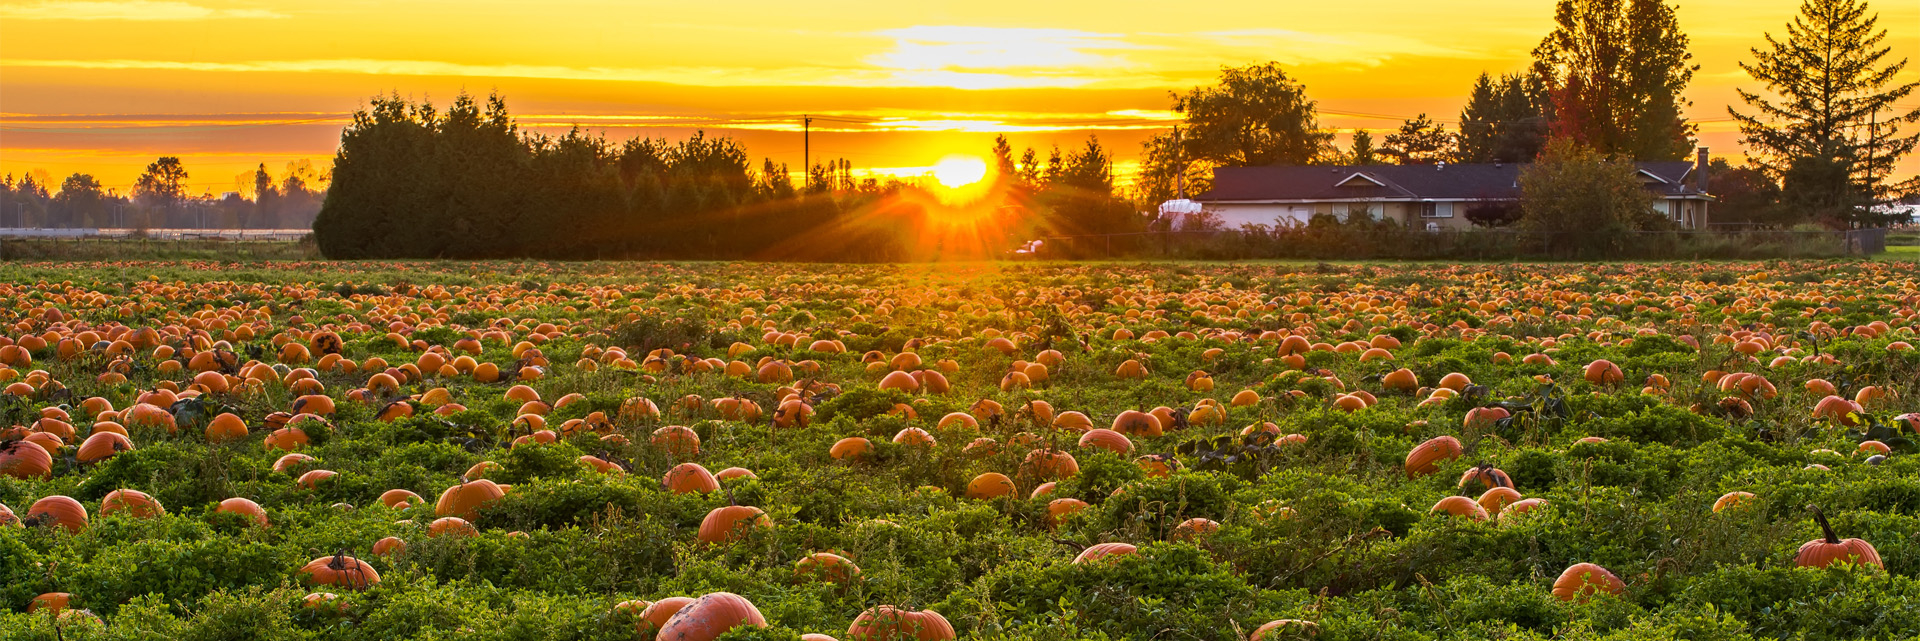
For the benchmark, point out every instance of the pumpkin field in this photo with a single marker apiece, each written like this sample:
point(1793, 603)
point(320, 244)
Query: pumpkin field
point(698, 451)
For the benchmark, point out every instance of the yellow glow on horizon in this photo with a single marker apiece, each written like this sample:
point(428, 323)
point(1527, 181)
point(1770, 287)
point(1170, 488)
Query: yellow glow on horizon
point(105, 86)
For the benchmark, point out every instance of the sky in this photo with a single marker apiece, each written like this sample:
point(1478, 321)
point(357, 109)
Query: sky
point(106, 86)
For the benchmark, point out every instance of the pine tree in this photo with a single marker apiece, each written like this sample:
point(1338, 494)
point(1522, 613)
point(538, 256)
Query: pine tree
point(1615, 70)
point(1420, 141)
point(1361, 151)
point(1505, 120)
point(1834, 133)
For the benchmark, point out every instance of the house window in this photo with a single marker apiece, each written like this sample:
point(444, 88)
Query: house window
point(1340, 212)
point(1673, 210)
point(1436, 210)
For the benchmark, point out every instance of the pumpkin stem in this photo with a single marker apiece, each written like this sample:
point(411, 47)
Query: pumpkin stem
point(1826, 528)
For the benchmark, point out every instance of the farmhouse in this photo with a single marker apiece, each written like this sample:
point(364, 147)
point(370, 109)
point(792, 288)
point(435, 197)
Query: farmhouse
point(1433, 197)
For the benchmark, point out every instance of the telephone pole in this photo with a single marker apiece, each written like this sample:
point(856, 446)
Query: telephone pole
point(806, 151)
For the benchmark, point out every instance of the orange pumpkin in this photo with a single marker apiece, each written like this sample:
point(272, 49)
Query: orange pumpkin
point(710, 616)
point(1831, 549)
point(889, 623)
point(731, 522)
point(1583, 580)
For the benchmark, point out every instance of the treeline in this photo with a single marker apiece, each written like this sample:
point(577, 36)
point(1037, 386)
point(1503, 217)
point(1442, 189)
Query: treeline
point(160, 198)
point(1609, 78)
point(411, 180)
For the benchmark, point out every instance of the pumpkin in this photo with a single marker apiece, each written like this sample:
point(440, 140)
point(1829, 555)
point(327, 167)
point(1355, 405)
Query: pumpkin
point(990, 485)
point(1059, 509)
point(1137, 423)
point(1425, 458)
point(399, 499)
point(850, 448)
point(889, 623)
point(339, 571)
point(451, 526)
point(1522, 506)
point(1583, 580)
point(1484, 477)
point(245, 508)
point(1830, 549)
point(311, 479)
point(24, 460)
point(59, 511)
point(466, 499)
point(1107, 440)
point(734, 473)
point(710, 616)
point(679, 441)
point(1498, 498)
point(50, 602)
point(1272, 629)
point(913, 436)
point(732, 522)
point(1104, 550)
point(657, 614)
point(102, 446)
point(8, 518)
point(1604, 373)
point(1049, 464)
point(226, 427)
point(687, 478)
point(1460, 506)
point(389, 546)
point(826, 566)
point(1732, 500)
point(134, 503)
point(1194, 529)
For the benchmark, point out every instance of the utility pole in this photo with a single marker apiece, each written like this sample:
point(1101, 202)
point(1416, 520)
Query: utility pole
point(806, 151)
point(1180, 166)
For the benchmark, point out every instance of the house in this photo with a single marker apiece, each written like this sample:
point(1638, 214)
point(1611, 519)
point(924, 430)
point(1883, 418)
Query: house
point(1433, 197)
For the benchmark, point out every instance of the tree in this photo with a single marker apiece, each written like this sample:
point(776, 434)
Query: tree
point(1420, 141)
point(1255, 116)
point(163, 185)
point(82, 200)
point(1361, 151)
point(1833, 135)
point(1582, 200)
point(1505, 120)
point(1746, 194)
point(1615, 70)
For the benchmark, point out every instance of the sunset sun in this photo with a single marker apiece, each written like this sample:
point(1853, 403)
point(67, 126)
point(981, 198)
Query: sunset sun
point(955, 172)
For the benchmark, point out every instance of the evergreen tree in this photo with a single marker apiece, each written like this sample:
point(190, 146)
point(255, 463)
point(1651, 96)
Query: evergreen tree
point(1615, 70)
point(1361, 151)
point(1420, 141)
point(1834, 133)
point(1505, 120)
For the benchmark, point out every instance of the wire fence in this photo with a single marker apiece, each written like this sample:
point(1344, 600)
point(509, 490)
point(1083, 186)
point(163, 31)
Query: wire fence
point(84, 233)
point(1347, 242)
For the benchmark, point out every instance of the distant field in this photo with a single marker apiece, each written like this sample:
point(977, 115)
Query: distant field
point(527, 450)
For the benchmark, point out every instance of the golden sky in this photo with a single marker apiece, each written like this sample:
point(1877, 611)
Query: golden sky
point(105, 86)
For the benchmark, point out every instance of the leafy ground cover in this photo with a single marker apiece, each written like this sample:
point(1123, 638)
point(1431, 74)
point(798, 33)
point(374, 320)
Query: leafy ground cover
point(483, 450)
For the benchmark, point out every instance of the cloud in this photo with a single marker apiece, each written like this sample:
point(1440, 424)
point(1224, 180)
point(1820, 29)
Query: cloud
point(127, 10)
point(697, 76)
point(1299, 47)
point(944, 48)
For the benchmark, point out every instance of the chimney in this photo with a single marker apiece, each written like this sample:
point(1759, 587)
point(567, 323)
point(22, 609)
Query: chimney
point(1700, 171)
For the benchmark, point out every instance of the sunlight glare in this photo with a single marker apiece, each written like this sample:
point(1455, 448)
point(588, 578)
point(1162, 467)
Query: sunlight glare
point(955, 172)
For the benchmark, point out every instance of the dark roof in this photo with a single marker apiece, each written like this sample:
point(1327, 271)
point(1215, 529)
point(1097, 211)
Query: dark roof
point(1405, 182)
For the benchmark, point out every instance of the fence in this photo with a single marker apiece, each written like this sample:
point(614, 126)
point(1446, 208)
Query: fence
point(285, 235)
point(1363, 242)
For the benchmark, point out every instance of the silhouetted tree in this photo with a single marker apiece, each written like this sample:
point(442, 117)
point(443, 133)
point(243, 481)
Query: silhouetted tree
point(1834, 134)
